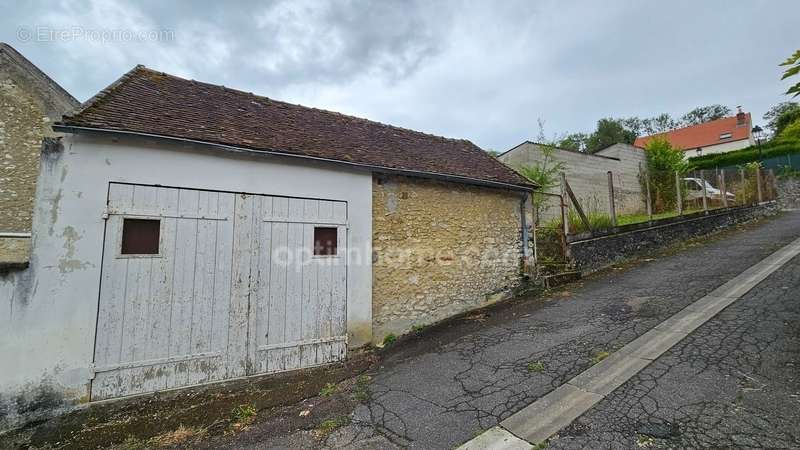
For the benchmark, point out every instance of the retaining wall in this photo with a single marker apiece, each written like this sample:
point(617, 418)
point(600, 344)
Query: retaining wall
point(592, 252)
point(788, 192)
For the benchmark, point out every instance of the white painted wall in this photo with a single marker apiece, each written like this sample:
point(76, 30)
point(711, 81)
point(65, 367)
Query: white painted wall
point(724, 147)
point(48, 312)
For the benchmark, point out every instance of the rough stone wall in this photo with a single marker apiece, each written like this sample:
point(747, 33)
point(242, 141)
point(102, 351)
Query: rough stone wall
point(23, 124)
point(599, 252)
point(439, 249)
point(29, 103)
point(788, 191)
point(588, 175)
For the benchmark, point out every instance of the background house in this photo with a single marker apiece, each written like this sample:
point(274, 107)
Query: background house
point(29, 103)
point(187, 233)
point(717, 136)
point(587, 174)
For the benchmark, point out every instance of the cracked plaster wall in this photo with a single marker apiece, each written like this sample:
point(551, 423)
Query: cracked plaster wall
point(48, 311)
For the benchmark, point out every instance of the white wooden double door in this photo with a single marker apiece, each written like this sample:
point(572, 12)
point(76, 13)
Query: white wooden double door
point(233, 290)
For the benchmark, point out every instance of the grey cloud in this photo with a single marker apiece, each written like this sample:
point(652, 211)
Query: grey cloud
point(480, 70)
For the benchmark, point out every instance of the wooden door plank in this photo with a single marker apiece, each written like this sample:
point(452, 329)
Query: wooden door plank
point(277, 293)
point(220, 314)
point(240, 286)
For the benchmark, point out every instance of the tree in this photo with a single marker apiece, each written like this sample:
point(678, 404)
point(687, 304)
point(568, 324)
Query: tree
point(791, 132)
point(609, 131)
point(658, 124)
point(703, 114)
point(793, 64)
point(493, 153)
point(776, 112)
point(574, 141)
point(784, 120)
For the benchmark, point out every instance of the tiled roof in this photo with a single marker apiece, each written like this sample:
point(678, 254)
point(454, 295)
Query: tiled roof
point(705, 134)
point(151, 102)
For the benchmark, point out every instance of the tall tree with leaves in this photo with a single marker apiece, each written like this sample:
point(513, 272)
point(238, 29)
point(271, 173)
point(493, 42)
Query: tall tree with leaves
point(703, 114)
point(574, 141)
point(609, 131)
point(775, 114)
point(658, 124)
point(793, 64)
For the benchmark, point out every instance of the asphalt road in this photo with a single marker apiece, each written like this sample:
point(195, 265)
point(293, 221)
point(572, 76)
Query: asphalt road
point(731, 384)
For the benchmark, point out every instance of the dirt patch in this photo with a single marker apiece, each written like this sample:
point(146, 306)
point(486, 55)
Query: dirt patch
point(166, 418)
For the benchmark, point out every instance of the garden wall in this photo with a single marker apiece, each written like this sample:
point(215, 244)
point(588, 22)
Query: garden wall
point(594, 252)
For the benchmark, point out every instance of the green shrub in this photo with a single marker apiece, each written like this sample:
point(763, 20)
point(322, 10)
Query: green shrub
point(546, 175)
point(663, 160)
point(389, 339)
point(772, 149)
point(791, 133)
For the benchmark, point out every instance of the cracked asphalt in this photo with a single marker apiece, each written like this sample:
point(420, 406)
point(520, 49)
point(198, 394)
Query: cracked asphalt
point(731, 384)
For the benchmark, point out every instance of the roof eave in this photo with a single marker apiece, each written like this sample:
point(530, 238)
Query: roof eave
point(74, 129)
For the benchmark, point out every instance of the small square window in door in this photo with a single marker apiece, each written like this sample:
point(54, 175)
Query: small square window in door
point(140, 236)
point(325, 243)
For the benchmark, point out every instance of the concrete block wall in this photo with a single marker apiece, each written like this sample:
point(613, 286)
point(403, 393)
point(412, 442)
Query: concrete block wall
point(440, 249)
point(587, 174)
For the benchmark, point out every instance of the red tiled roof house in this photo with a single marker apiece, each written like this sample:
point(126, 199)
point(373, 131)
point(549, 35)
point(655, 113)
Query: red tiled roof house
point(717, 136)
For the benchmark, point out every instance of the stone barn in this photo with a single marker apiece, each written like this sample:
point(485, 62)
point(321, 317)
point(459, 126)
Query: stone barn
point(187, 233)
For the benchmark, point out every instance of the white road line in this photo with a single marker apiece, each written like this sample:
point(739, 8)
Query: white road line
point(549, 414)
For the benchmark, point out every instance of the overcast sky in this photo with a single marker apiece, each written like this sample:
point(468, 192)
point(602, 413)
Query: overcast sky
point(480, 70)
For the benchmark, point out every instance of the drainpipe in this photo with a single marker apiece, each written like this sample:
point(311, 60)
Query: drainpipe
point(525, 235)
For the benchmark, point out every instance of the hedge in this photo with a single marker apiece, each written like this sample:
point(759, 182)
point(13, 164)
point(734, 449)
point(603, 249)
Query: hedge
point(736, 158)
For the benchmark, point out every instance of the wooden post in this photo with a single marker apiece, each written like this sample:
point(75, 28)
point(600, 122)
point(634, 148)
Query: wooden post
point(679, 193)
point(773, 190)
point(612, 209)
point(577, 205)
point(649, 202)
point(705, 191)
point(758, 186)
point(744, 188)
point(564, 212)
point(722, 188)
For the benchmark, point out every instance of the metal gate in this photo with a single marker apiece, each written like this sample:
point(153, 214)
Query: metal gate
point(201, 286)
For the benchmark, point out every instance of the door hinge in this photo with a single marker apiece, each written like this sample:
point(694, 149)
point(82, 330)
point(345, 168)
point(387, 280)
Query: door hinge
point(92, 372)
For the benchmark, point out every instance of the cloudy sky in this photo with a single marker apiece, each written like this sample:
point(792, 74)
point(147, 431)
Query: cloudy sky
point(480, 70)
